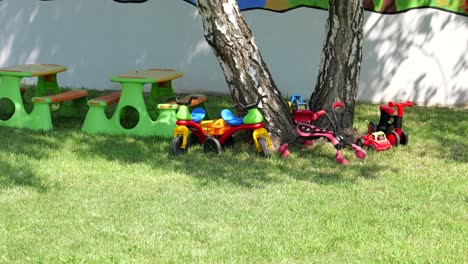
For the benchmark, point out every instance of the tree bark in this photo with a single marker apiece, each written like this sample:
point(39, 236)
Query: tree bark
point(340, 63)
point(245, 71)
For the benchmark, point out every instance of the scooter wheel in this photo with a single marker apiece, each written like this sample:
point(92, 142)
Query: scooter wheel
point(393, 138)
point(175, 146)
point(211, 144)
point(404, 139)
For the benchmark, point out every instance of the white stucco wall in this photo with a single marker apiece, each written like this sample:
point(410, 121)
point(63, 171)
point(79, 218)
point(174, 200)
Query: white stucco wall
point(420, 55)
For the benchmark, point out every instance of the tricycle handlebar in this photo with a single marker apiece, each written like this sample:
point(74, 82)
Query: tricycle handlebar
point(187, 103)
point(251, 105)
point(400, 107)
point(407, 103)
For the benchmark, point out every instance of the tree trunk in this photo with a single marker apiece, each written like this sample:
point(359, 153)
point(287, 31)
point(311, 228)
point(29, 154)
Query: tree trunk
point(244, 69)
point(340, 63)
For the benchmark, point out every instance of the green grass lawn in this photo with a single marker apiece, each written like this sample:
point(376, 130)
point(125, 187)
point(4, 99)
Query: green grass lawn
point(66, 196)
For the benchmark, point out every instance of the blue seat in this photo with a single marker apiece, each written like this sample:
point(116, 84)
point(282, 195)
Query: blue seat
point(198, 114)
point(230, 118)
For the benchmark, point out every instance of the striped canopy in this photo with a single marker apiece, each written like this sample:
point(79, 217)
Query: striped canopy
point(380, 6)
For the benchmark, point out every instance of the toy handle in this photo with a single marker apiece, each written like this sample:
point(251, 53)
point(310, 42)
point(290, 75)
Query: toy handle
point(187, 103)
point(407, 103)
point(337, 104)
point(400, 107)
point(252, 105)
point(318, 114)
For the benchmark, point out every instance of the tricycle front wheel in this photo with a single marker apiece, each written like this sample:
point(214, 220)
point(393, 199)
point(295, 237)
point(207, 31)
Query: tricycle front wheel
point(264, 145)
point(176, 146)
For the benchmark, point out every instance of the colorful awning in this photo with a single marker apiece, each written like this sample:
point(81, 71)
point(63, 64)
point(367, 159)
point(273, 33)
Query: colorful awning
point(380, 6)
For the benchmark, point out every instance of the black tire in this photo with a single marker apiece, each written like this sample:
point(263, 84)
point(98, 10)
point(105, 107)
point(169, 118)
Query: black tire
point(264, 145)
point(175, 146)
point(393, 138)
point(371, 147)
point(211, 144)
point(371, 128)
point(404, 139)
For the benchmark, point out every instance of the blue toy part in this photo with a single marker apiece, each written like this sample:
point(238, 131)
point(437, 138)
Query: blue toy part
point(295, 97)
point(230, 118)
point(198, 114)
point(298, 103)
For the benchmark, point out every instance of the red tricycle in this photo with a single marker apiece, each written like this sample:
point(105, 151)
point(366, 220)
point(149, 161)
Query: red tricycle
point(391, 124)
point(308, 132)
point(212, 134)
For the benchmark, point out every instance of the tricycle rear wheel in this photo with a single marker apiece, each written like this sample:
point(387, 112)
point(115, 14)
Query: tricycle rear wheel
point(211, 144)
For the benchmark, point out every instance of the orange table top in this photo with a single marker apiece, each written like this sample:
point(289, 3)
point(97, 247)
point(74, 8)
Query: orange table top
point(29, 70)
point(148, 76)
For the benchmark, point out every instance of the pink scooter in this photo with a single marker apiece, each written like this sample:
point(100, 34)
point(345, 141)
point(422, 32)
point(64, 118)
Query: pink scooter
point(308, 132)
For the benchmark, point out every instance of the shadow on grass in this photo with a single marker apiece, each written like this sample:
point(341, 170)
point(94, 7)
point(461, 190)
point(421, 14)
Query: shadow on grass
point(448, 127)
point(318, 164)
point(18, 148)
point(240, 166)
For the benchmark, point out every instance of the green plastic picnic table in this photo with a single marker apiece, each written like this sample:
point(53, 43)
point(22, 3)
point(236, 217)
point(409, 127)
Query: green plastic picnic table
point(132, 97)
point(10, 90)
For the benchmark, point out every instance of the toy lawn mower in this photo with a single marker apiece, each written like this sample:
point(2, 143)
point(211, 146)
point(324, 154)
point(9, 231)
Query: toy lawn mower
point(391, 124)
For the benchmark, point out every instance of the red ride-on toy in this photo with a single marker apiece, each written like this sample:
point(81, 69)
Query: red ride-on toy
point(391, 124)
point(375, 141)
point(308, 132)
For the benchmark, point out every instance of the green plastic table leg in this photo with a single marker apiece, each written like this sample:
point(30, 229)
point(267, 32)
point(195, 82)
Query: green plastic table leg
point(96, 121)
point(158, 92)
point(47, 85)
point(38, 119)
point(9, 90)
point(132, 96)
